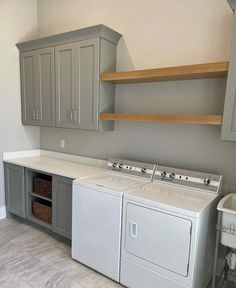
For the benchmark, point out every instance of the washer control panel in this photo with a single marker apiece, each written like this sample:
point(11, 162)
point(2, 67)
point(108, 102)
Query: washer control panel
point(203, 181)
point(131, 168)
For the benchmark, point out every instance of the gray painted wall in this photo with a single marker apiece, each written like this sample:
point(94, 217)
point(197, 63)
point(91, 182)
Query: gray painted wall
point(18, 23)
point(160, 34)
point(184, 146)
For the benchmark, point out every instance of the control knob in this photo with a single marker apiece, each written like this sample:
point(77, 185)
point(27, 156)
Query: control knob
point(207, 181)
point(172, 175)
point(144, 170)
point(114, 165)
point(121, 166)
point(163, 173)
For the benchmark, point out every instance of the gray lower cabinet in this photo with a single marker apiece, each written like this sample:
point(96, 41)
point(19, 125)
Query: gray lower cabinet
point(62, 206)
point(15, 189)
point(20, 196)
point(37, 87)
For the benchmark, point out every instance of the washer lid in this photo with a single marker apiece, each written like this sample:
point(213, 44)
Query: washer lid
point(171, 197)
point(108, 181)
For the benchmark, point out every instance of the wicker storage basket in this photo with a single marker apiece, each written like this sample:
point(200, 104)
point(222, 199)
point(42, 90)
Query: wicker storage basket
point(43, 187)
point(42, 211)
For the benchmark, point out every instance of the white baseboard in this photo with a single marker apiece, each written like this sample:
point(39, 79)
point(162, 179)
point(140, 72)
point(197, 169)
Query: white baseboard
point(2, 212)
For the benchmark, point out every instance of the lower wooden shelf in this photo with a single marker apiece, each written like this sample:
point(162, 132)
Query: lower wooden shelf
point(185, 119)
point(40, 197)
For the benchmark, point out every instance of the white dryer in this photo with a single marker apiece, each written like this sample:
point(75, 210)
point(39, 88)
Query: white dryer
point(168, 230)
point(97, 212)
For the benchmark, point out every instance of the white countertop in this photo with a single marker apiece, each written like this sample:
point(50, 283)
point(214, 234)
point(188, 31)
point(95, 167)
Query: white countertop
point(71, 166)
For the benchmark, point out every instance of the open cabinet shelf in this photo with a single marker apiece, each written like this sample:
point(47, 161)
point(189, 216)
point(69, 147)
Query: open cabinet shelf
point(187, 119)
point(187, 72)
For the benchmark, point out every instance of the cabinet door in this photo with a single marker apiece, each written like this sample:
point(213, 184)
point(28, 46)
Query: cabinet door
point(229, 119)
point(62, 206)
point(147, 229)
point(15, 189)
point(38, 87)
point(45, 87)
point(28, 87)
point(65, 85)
point(87, 84)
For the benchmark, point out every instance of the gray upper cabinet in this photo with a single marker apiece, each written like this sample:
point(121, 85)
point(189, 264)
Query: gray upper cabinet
point(232, 4)
point(28, 61)
point(38, 89)
point(77, 84)
point(229, 118)
point(15, 190)
point(65, 85)
point(45, 86)
point(87, 84)
point(75, 97)
point(62, 206)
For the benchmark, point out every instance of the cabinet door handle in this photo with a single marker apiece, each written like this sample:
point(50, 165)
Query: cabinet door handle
point(75, 115)
point(37, 113)
point(34, 116)
point(133, 229)
point(71, 115)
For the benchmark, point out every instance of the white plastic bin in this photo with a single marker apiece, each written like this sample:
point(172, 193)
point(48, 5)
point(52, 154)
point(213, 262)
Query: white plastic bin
point(228, 222)
point(231, 260)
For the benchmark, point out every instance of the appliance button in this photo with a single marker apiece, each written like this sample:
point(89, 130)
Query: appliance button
point(163, 173)
point(144, 170)
point(207, 181)
point(172, 175)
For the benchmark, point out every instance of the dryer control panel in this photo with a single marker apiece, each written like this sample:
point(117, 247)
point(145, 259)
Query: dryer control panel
point(131, 168)
point(194, 179)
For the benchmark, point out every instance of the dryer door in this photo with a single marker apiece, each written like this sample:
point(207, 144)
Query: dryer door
point(158, 237)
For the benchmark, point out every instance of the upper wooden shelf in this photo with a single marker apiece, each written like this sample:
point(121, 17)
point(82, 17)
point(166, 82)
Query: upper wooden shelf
point(184, 119)
point(187, 72)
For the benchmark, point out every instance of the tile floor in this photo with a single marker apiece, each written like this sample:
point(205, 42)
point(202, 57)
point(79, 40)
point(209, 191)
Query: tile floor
point(31, 258)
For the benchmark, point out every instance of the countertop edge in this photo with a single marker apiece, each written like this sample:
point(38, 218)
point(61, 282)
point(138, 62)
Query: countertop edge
point(10, 156)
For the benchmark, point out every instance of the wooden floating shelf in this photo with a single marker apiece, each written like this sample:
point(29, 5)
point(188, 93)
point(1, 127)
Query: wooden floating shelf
point(187, 72)
point(187, 119)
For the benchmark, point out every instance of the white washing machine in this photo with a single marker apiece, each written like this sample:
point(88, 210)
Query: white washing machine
point(168, 230)
point(97, 212)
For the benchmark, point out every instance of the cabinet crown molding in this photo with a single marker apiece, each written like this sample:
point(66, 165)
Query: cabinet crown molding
point(71, 36)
